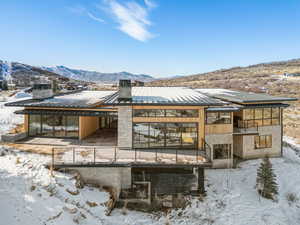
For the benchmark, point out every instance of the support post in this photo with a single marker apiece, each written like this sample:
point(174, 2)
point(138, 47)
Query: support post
point(94, 155)
point(156, 155)
point(115, 154)
point(73, 155)
point(176, 155)
point(52, 163)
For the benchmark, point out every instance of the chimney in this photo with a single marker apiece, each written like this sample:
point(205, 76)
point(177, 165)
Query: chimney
point(42, 90)
point(125, 90)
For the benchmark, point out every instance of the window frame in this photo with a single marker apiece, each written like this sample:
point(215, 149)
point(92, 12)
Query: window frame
point(227, 147)
point(162, 113)
point(263, 121)
point(263, 139)
point(218, 117)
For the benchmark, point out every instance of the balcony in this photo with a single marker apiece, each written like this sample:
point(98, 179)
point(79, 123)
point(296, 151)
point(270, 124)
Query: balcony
point(245, 127)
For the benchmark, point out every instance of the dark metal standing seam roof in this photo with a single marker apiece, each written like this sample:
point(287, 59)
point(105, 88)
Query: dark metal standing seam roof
point(164, 96)
point(242, 96)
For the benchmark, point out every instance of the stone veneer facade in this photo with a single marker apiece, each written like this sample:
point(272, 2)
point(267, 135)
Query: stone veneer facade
point(125, 127)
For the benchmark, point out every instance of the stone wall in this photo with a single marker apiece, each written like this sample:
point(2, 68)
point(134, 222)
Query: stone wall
point(220, 139)
point(125, 127)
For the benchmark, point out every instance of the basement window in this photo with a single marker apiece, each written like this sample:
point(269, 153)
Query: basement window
point(222, 151)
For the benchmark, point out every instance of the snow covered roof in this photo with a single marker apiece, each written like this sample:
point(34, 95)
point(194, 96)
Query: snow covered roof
point(165, 96)
point(78, 100)
point(241, 96)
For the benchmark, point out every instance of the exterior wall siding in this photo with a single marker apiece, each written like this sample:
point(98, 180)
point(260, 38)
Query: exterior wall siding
point(125, 127)
point(249, 150)
point(220, 139)
point(87, 126)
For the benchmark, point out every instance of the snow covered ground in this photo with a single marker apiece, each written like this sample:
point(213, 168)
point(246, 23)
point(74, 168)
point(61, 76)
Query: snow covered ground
point(29, 195)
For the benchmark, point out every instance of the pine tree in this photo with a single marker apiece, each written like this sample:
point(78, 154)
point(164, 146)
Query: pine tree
point(266, 180)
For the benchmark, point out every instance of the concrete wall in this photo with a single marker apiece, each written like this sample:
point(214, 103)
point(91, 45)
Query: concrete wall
point(220, 139)
point(116, 177)
point(249, 152)
point(87, 125)
point(125, 127)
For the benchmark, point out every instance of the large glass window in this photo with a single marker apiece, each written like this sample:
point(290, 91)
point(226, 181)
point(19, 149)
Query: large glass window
point(53, 125)
point(34, 125)
point(263, 141)
point(218, 117)
point(165, 113)
point(222, 151)
point(165, 135)
point(261, 117)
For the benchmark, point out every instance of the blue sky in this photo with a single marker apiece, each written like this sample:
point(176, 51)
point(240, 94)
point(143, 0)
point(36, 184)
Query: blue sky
point(160, 38)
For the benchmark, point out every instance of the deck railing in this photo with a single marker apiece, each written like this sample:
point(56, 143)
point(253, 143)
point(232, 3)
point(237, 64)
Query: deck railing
point(247, 124)
point(112, 154)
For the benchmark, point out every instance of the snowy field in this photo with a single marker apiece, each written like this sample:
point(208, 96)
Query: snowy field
point(30, 196)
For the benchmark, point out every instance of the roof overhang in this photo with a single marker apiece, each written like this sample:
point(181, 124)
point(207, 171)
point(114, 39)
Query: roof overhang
point(68, 112)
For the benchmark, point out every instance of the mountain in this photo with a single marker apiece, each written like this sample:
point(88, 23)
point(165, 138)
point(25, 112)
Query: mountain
point(22, 75)
point(265, 77)
point(97, 77)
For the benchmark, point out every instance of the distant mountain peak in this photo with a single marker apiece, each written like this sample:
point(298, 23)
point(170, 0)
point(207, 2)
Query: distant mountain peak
point(97, 77)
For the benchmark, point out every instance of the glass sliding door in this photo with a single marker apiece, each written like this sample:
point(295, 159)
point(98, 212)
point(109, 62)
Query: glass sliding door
point(34, 125)
point(59, 126)
point(189, 135)
point(72, 126)
point(173, 135)
point(54, 126)
point(165, 135)
point(47, 125)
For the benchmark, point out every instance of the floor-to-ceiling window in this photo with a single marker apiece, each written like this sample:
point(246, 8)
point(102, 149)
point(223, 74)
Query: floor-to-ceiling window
point(54, 126)
point(165, 135)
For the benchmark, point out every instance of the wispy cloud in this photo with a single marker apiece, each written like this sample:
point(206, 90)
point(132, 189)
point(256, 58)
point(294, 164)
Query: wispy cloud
point(83, 11)
point(132, 17)
point(150, 4)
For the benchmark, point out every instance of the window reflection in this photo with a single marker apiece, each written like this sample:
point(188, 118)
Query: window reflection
point(165, 135)
point(54, 126)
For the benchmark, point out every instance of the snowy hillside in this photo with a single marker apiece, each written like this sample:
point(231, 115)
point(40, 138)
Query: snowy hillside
point(28, 195)
point(5, 70)
point(93, 76)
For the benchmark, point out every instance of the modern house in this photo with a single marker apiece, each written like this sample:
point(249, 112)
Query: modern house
point(221, 123)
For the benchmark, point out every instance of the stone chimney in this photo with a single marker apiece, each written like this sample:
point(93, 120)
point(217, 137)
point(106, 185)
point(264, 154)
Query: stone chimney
point(42, 90)
point(125, 90)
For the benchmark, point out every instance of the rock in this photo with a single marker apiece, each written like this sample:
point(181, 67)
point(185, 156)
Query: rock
point(72, 192)
point(70, 210)
point(91, 204)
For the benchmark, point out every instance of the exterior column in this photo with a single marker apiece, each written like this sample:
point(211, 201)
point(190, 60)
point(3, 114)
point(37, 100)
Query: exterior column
point(125, 127)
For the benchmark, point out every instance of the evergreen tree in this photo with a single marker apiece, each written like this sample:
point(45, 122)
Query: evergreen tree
point(266, 180)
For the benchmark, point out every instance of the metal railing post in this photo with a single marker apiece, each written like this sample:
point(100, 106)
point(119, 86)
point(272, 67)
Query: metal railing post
point(73, 154)
point(94, 155)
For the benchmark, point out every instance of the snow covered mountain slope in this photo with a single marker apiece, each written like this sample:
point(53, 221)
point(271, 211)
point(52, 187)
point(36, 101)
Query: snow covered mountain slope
point(5, 70)
point(97, 77)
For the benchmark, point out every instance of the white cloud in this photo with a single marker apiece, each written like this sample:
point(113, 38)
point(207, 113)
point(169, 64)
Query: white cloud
point(93, 17)
point(131, 17)
point(150, 4)
point(83, 11)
